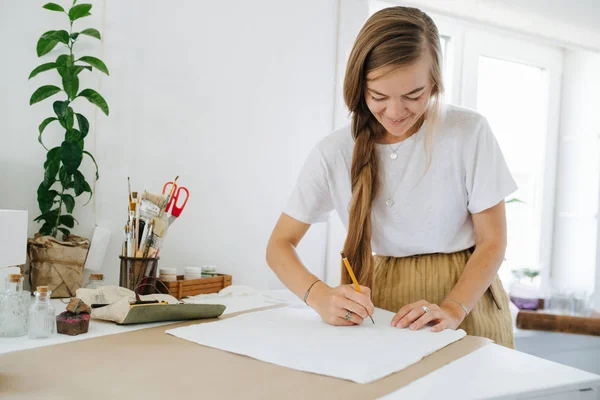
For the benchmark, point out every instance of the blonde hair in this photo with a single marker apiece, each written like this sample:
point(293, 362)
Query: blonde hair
point(394, 36)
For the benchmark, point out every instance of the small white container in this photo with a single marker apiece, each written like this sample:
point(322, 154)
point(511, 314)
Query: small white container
point(167, 274)
point(209, 271)
point(168, 271)
point(168, 278)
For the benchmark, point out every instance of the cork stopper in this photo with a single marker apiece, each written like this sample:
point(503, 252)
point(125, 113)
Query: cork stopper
point(14, 277)
point(42, 289)
point(96, 277)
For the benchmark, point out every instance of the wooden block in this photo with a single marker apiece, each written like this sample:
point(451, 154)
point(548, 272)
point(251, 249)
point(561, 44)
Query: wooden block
point(71, 324)
point(559, 323)
point(77, 306)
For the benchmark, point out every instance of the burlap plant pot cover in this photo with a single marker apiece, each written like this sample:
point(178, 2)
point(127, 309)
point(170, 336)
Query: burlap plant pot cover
point(57, 264)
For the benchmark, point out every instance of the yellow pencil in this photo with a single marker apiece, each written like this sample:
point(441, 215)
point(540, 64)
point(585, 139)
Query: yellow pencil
point(354, 281)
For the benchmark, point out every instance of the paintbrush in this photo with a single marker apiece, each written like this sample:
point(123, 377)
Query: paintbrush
point(129, 187)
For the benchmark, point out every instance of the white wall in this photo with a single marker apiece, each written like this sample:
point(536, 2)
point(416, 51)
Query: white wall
point(230, 96)
point(352, 16)
point(575, 239)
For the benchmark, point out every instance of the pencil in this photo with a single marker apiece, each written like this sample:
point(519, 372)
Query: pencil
point(354, 281)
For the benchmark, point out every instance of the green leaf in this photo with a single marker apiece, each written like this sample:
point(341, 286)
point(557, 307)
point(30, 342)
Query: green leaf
point(46, 229)
point(46, 122)
point(45, 198)
point(62, 36)
point(43, 93)
point(91, 32)
point(67, 220)
point(70, 119)
point(515, 200)
point(40, 218)
point(71, 155)
point(95, 163)
point(60, 109)
point(46, 43)
point(48, 216)
point(43, 126)
point(80, 185)
point(53, 7)
point(70, 82)
point(65, 178)
point(87, 188)
point(79, 68)
point(65, 232)
point(79, 11)
point(50, 39)
point(42, 68)
point(69, 202)
point(84, 125)
point(95, 98)
point(74, 35)
point(62, 60)
point(53, 154)
point(73, 135)
point(64, 113)
point(51, 171)
point(95, 62)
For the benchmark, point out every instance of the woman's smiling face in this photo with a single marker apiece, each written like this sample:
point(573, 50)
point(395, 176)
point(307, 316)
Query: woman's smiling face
point(398, 97)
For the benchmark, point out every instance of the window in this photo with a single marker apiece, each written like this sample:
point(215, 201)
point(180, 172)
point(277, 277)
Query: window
point(515, 106)
point(515, 84)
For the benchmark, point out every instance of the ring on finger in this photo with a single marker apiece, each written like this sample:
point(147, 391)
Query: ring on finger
point(348, 316)
point(426, 309)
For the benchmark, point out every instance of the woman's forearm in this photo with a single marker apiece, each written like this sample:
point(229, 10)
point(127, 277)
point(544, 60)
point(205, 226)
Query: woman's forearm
point(482, 267)
point(285, 262)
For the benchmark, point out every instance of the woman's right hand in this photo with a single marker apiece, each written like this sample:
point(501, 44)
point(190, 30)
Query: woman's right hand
point(332, 304)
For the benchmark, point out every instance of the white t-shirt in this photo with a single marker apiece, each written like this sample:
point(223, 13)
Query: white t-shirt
point(432, 211)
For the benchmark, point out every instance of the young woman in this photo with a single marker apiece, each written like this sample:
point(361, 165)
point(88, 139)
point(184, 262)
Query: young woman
point(420, 184)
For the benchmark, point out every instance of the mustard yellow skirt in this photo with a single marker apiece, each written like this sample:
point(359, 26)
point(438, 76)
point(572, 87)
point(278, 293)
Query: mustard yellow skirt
point(430, 277)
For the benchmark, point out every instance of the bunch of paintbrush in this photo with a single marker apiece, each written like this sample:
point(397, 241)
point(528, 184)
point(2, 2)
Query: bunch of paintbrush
point(146, 226)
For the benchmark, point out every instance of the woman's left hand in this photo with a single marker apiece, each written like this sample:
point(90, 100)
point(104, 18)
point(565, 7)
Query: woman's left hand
point(416, 316)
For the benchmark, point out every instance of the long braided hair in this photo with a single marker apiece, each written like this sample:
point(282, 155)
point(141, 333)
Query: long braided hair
point(394, 36)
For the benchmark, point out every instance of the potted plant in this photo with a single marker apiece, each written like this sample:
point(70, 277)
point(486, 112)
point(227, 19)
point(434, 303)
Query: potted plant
point(56, 256)
point(525, 290)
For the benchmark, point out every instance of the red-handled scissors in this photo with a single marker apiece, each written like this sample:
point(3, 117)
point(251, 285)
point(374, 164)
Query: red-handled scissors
point(174, 193)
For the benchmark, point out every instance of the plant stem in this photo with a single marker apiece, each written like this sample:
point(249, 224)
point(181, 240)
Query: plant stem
point(55, 229)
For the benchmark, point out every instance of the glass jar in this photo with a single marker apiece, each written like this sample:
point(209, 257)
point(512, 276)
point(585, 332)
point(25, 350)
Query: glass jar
point(13, 308)
point(42, 319)
point(95, 281)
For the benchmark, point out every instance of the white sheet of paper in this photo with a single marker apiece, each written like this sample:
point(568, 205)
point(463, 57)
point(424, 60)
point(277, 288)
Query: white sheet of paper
point(234, 304)
point(296, 337)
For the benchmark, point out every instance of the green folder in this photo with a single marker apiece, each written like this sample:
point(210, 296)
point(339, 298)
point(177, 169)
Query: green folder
point(171, 312)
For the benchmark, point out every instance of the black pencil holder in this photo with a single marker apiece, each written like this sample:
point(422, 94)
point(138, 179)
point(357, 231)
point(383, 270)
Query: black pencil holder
point(139, 274)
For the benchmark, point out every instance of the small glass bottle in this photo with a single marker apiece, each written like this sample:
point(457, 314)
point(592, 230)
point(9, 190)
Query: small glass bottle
point(42, 319)
point(13, 308)
point(95, 281)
